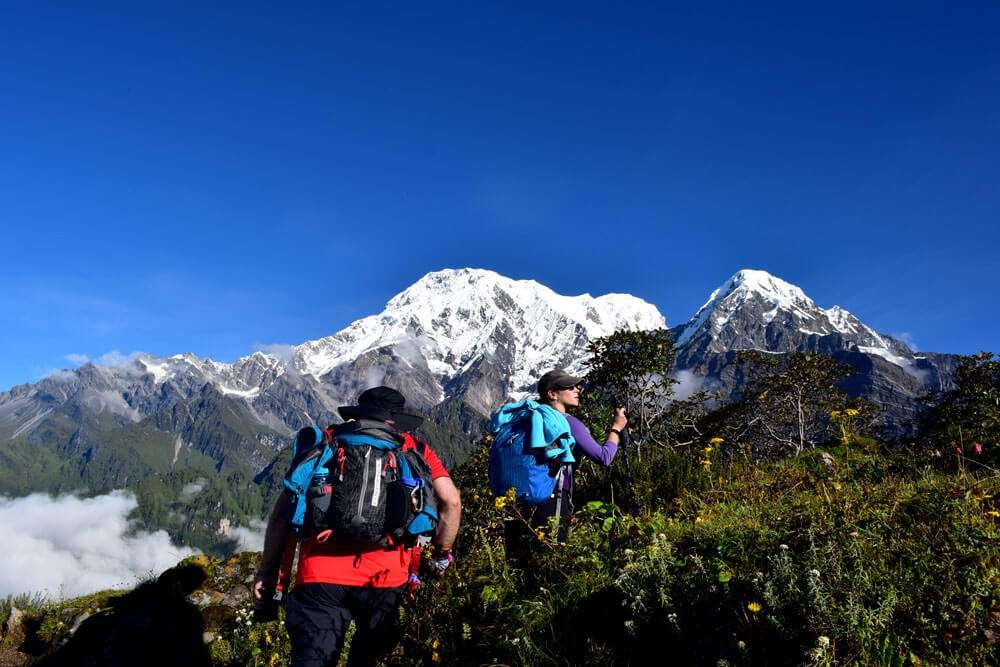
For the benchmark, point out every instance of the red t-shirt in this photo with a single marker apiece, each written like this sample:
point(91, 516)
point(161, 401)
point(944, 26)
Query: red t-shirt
point(331, 563)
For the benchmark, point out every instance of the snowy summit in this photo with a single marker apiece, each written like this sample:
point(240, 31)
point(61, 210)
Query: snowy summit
point(453, 317)
point(753, 308)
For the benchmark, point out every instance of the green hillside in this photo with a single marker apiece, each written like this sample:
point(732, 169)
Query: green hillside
point(783, 535)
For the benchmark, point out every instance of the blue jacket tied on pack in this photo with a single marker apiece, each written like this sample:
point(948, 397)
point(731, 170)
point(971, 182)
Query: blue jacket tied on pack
point(533, 441)
point(549, 428)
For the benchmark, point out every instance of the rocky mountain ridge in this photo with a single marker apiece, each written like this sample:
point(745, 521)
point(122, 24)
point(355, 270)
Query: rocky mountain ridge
point(754, 310)
point(462, 336)
point(457, 343)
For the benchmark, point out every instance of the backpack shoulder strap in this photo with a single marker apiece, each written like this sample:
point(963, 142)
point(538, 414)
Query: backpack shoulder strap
point(305, 443)
point(310, 451)
point(411, 442)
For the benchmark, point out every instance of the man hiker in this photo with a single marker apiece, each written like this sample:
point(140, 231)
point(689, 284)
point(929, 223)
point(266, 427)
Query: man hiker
point(543, 478)
point(349, 578)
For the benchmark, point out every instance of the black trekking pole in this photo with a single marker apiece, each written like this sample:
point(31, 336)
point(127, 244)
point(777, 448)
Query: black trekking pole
point(626, 440)
point(633, 502)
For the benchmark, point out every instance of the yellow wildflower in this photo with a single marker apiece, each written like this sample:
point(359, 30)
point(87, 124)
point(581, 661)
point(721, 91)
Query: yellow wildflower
point(837, 486)
point(851, 412)
point(500, 502)
point(754, 607)
point(707, 450)
point(993, 513)
point(698, 519)
point(435, 657)
point(200, 559)
point(540, 534)
point(716, 440)
point(834, 414)
point(705, 462)
point(435, 644)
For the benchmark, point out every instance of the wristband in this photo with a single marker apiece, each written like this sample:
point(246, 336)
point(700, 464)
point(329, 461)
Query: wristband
point(615, 431)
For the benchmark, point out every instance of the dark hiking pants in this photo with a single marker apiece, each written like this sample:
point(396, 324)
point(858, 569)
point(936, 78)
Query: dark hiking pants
point(520, 540)
point(317, 617)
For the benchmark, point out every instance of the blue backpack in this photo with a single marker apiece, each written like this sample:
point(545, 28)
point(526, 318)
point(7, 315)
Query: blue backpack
point(531, 450)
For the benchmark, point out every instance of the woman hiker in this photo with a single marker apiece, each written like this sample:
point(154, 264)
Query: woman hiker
point(558, 392)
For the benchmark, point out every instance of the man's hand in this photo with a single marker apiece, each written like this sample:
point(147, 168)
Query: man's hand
point(440, 561)
point(265, 606)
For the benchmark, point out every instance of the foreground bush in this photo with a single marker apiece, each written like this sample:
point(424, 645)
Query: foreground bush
point(806, 561)
point(872, 558)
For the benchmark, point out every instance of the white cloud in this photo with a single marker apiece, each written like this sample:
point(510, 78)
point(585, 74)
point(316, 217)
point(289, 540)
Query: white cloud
point(112, 359)
point(687, 384)
point(374, 377)
point(194, 488)
point(284, 353)
point(250, 539)
point(112, 401)
point(921, 375)
point(69, 546)
point(59, 374)
point(907, 338)
point(116, 359)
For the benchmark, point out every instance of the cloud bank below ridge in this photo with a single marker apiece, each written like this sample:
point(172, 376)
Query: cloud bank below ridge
point(69, 546)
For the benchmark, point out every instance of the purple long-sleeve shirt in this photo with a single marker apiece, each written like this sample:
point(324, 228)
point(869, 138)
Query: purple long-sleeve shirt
point(603, 454)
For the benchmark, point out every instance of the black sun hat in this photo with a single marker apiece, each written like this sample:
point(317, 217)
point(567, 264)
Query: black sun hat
point(557, 379)
point(382, 404)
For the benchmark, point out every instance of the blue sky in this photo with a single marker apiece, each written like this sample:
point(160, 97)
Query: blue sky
point(210, 180)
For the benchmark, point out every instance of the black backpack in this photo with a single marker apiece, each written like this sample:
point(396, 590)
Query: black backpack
point(360, 484)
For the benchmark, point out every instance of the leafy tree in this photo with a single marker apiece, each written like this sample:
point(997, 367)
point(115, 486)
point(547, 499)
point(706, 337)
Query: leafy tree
point(631, 369)
point(786, 406)
point(969, 414)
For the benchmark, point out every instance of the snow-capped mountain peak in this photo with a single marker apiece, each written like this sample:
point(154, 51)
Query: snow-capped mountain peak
point(756, 310)
point(766, 285)
point(450, 319)
point(750, 283)
point(745, 286)
point(467, 333)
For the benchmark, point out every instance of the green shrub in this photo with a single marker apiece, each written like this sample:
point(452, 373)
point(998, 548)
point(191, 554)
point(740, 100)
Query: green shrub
point(877, 561)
